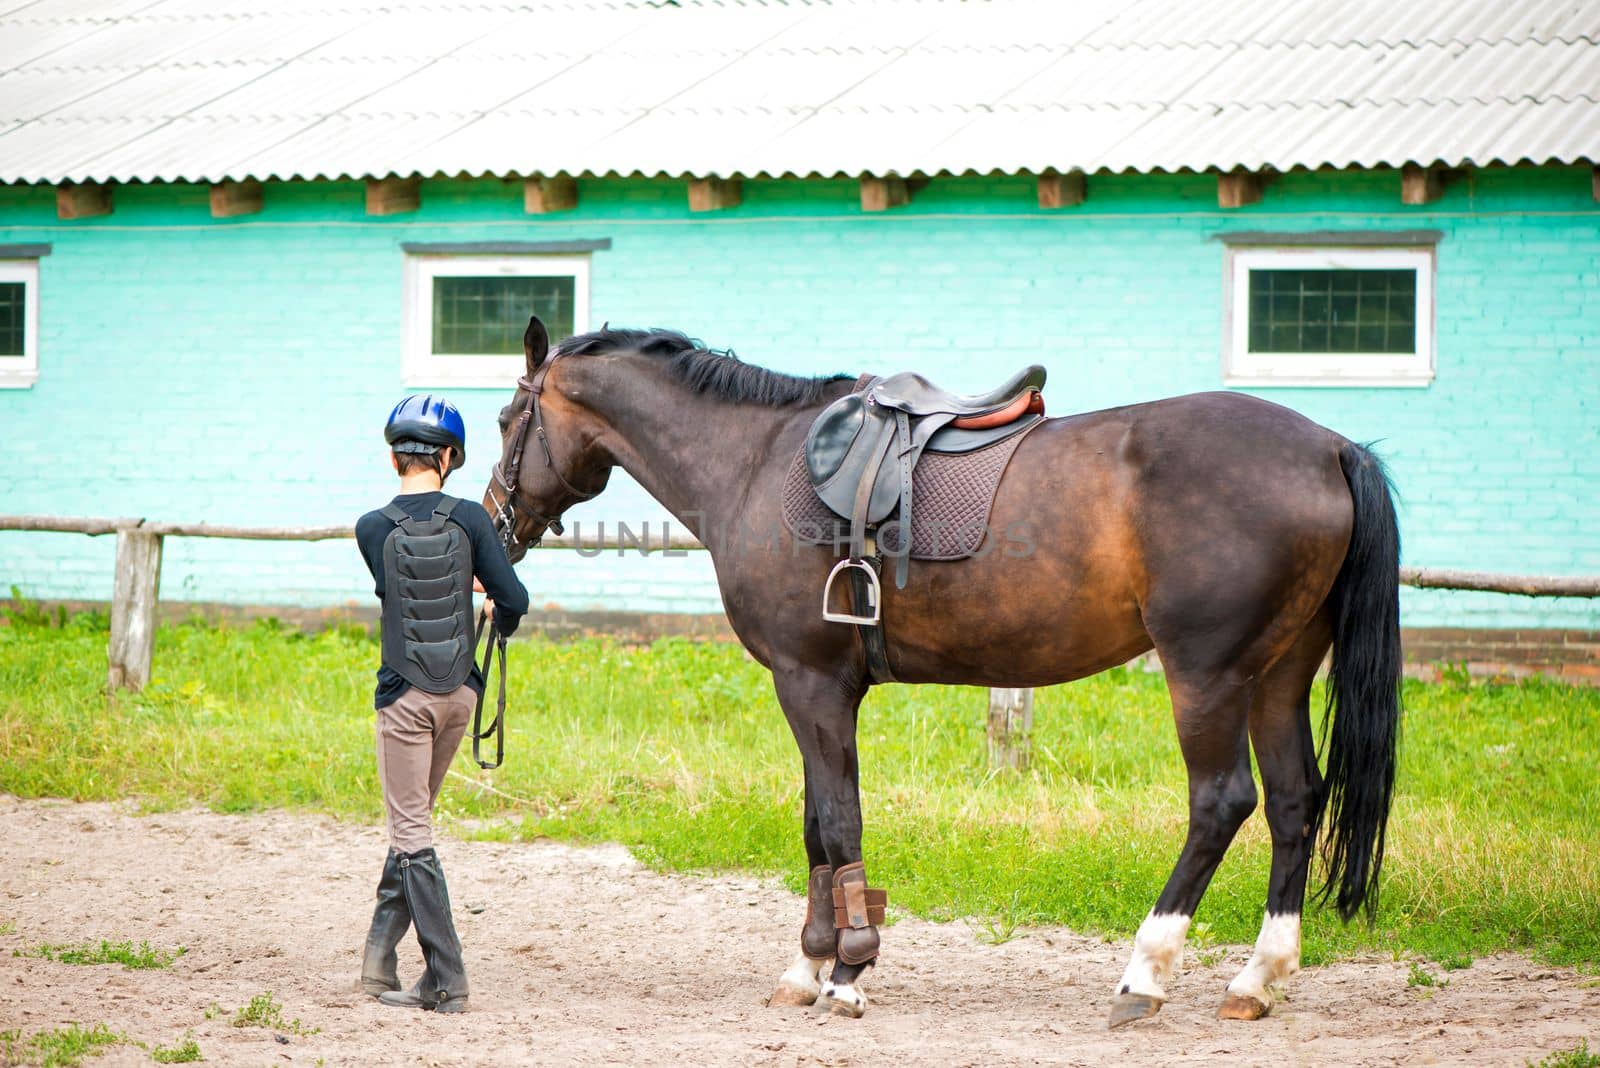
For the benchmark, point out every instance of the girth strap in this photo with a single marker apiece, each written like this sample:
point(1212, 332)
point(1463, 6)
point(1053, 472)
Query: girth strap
point(874, 643)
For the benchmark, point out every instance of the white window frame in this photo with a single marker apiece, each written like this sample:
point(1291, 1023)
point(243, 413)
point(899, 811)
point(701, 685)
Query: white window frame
point(1241, 367)
point(422, 367)
point(21, 372)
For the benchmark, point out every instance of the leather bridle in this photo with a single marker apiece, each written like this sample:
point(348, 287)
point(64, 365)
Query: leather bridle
point(506, 504)
point(505, 521)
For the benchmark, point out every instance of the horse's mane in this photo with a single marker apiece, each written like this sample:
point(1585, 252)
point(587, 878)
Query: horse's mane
point(712, 372)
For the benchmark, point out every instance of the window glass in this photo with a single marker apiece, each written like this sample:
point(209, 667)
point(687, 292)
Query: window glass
point(486, 315)
point(13, 318)
point(1317, 311)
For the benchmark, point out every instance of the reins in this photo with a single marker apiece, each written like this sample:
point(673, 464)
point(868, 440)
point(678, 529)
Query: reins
point(496, 729)
point(505, 521)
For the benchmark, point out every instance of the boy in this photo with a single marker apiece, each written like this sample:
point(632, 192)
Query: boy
point(424, 550)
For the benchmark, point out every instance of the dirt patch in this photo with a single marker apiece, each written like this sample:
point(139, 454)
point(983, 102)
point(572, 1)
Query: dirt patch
point(581, 956)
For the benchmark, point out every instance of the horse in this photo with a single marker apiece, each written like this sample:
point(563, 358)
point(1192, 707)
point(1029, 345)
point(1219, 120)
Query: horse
point(1238, 539)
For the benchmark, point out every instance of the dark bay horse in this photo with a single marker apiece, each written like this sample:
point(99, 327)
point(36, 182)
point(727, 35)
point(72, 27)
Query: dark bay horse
point(1237, 538)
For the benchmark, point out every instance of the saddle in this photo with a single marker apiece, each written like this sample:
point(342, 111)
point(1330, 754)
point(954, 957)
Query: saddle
point(862, 449)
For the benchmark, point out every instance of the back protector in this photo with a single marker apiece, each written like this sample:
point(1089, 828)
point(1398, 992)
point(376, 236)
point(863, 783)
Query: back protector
point(427, 603)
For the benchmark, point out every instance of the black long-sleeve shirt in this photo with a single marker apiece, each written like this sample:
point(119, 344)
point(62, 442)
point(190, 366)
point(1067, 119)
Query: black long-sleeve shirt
point(489, 566)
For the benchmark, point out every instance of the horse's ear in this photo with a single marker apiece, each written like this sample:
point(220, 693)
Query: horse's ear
point(535, 344)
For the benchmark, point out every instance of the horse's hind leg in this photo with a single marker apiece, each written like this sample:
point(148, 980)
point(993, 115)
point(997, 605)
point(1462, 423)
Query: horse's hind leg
point(1211, 713)
point(1280, 731)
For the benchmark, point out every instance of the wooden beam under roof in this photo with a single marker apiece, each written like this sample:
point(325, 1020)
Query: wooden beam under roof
point(715, 194)
point(1235, 189)
point(1422, 185)
point(881, 194)
point(229, 199)
point(543, 194)
point(83, 200)
point(393, 196)
point(1061, 190)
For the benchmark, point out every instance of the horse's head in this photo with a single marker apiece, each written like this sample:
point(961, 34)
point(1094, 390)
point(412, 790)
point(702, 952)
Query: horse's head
point(548, 458)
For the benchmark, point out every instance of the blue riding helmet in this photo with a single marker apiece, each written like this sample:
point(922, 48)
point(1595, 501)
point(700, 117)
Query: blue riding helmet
point(422, 423)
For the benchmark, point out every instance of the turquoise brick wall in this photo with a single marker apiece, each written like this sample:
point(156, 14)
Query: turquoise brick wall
point(239, 370)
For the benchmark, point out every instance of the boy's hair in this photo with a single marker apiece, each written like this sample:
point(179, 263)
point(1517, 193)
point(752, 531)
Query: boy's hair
point(409, 462)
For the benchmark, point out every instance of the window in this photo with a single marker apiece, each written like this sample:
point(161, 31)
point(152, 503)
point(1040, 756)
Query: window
point(19, 322)
point(466, 311)
point(1303, 314)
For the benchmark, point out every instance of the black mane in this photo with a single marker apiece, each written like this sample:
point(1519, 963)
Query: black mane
point(713, 372)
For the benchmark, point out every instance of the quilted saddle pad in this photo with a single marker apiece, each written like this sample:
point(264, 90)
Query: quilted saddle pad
point(951, 496)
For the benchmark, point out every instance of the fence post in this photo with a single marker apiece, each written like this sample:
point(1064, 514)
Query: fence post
point(1010, 725)
point(133, 608)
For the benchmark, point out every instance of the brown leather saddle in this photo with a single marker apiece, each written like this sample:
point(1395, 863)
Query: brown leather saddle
point(862, 449)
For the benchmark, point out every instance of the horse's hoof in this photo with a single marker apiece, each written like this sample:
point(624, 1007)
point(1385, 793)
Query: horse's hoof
point(844, 1001)
point(800, 985)
point(1242, 1007)
point(787, 995)
point(1128, 1008)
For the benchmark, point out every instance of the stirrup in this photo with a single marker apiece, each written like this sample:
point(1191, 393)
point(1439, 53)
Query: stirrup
point(874, 594)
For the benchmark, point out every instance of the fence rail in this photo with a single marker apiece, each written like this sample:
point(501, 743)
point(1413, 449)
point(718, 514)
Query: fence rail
point(96, 527)
point(1526, 585)
point(1419, 577)
point(138, 578)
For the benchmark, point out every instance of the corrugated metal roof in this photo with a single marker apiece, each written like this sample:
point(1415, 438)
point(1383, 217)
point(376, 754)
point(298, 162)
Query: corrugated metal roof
point(202, 90)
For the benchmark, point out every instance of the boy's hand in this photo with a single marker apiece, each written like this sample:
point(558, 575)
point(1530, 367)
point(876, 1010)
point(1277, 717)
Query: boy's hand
point(488, 609)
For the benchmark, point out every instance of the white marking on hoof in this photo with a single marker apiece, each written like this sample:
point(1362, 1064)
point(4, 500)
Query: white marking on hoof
point(1157, 949)
point(799, 985)
point(1277, 957)
point(844, 1000)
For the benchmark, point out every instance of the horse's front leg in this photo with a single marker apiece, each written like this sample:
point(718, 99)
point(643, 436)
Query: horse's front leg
point(801, 984)
point(842, 914)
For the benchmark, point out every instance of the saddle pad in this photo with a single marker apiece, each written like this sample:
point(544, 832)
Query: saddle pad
point(952, 494)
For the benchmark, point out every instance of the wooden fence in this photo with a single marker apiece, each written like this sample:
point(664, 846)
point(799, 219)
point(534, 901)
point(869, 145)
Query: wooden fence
point(138, 572)
point(138, 578)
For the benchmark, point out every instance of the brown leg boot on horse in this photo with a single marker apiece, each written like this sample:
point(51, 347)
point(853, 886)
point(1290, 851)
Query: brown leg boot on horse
point(801, 984)
point(858, 912)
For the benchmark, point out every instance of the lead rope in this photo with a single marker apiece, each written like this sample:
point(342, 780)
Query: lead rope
point(496, 729)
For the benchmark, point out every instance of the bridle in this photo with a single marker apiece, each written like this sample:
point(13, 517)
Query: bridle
point(505, 520)
point(505, 503)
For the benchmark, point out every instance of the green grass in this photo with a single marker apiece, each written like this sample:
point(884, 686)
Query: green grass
point(1421, 977)
point(65, 1047)
point(1576, 1057)
point(679, 751)
point(126, 954)
point(184, 1053)
point(264, 1011)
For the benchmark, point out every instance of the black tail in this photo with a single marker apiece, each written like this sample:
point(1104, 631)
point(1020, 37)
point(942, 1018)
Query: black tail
point(1363, 712)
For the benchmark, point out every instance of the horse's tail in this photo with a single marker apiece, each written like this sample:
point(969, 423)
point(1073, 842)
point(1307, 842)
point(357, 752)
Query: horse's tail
point(1361, 727)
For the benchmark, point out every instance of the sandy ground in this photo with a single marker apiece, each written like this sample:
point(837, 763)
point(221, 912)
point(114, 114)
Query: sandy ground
point(581, 956)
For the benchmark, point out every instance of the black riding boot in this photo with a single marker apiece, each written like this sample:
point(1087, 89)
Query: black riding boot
point(390, 919)
point(443, 985)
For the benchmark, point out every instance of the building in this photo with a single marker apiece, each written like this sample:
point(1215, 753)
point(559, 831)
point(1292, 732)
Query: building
point(234, 233)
